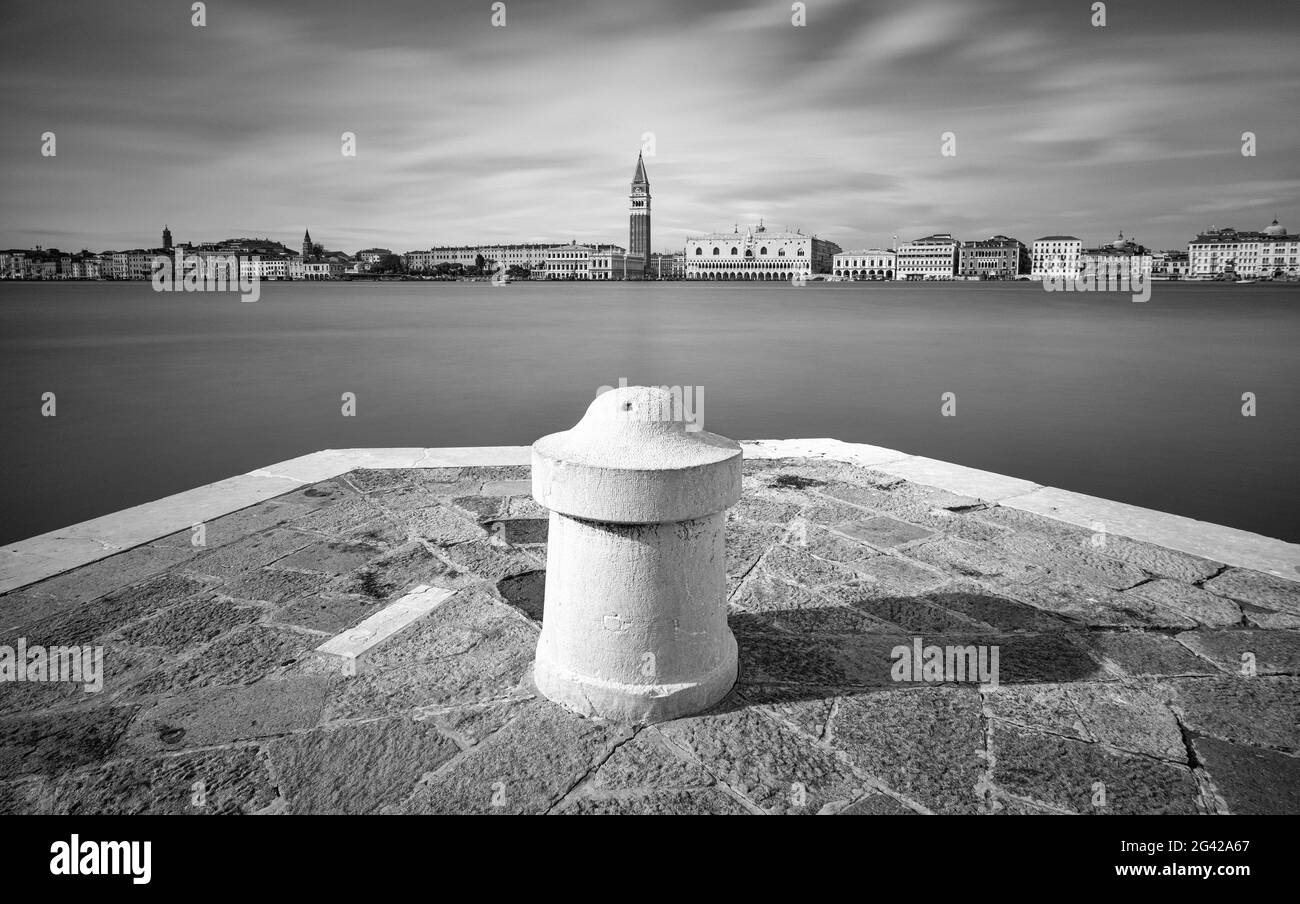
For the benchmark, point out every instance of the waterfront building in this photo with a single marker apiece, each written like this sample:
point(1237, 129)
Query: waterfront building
point(667, 265)
point(1170, 265)
point(638, 242)
point(167, 238)
point(591, 262)
point(1229, 253)
point(932, 257)
point(869, 263)
point(996, 257)
point(758, 254)
point(1121, 257)
point(372, 255)
point(1057, 254)
point(529, 255)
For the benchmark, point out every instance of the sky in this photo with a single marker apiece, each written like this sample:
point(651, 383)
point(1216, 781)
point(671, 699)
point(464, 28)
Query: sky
point(468, 132)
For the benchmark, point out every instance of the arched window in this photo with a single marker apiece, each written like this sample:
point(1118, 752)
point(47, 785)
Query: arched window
point(716, 250)
point(763, 251)
point(801, 252)
point(735, 251)
point(781, 253)
point(749, 252)
point(699, 250)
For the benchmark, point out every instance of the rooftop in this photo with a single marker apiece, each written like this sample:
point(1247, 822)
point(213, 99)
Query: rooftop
point(1122, 651)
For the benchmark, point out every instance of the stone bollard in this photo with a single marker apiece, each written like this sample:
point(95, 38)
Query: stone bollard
point(635, 622)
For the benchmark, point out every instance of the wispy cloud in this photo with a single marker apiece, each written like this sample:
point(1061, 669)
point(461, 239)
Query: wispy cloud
point(469, 132)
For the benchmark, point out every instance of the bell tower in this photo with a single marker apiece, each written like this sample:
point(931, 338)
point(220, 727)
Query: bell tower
point(639, 214)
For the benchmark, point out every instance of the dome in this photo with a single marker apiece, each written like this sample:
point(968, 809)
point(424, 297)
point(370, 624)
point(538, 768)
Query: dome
point(1275, 229)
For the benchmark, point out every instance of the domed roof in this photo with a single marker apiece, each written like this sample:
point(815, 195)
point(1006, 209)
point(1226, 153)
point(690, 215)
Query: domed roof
point(1275, 229)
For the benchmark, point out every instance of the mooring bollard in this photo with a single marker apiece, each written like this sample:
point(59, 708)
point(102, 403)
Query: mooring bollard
point(635, 622)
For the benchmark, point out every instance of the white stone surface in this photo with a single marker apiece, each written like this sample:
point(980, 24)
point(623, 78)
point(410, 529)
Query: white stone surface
point(986, 485)
point(1200, 538)
point(636, 615)
point(350, 647)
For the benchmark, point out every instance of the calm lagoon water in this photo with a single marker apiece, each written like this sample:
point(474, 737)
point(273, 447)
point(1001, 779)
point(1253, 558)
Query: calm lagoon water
point(158, 393)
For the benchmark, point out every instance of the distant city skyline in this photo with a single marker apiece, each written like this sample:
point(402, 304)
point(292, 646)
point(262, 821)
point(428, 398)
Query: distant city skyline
point(467, 132)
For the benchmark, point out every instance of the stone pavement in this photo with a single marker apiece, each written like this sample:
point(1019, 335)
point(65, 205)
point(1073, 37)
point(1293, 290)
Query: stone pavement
point(1132, 678)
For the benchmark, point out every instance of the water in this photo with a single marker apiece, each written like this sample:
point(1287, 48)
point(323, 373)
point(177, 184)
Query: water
point(158, 393)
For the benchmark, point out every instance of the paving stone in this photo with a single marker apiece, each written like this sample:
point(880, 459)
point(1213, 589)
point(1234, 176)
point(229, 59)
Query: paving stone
point(473, 723)
point(526, 767)
point(359, 767)
point(249, 553)
point(487, 560)
point(706, 802)
point(423, 516)
point(820, 619)
point(1044, 707)
point(866, 496)
point(647, 761)
point(768, 511)
point(746, 543)
point(821, 661)
point(1129, 718)
point(922, 743)
point(376, 480)
point(469, 649)
point(121, 668)
point(909, 613)
point(1263, 711)
point(50, 744)
point(88, 582)
point(976, 560)
point(1193, 602)
point(243, 657)
point(1064, 773)
point(318, 495)
point(828, 545)
point(825, 512)
point(331, 557)
point(342, 516)
point(274, 585)
point(1169, 563)
point(212, 782)
point(892, 574)
point(1275, 652)
point(1028, 522)
point(22, 798)
point(781, 771)
point(1139, 654)
point(525, 507)
point(810, 713)
point(954, 524)
point(519, 531)
point(397, 573)
point(1267, 618)
point(764, 592)
point(1064, 562)
point(220, 715)
point(237, 525)
point(327, 612)
point(882, 531)
point(984, 606)
point(1251, 781)
point(194, 621)
point(480, 508)
point(1030, 658)
point(1263, 590)
point(1097, 607)
point(84, 623)
point(526, 592)
point(876, 805)
point(521, 487)
point(799, 566)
